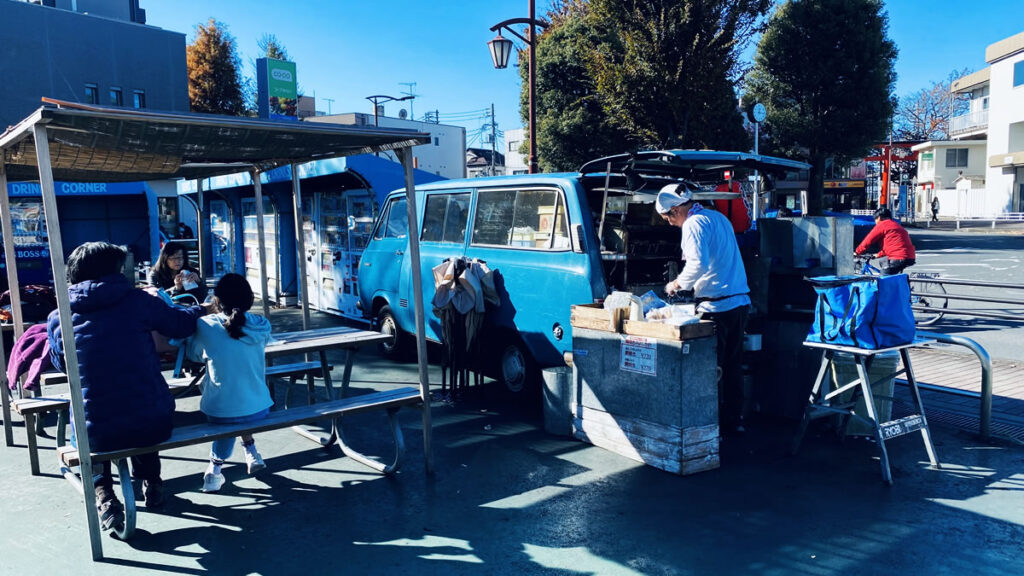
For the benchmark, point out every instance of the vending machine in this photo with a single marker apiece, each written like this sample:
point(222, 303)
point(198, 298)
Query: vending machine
point(250, 244)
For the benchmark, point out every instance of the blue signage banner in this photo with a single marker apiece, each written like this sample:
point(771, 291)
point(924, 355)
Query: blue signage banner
point(32, 189)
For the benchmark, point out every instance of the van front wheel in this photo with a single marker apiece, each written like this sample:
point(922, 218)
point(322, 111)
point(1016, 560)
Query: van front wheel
point(516, 368)
point(397, 346)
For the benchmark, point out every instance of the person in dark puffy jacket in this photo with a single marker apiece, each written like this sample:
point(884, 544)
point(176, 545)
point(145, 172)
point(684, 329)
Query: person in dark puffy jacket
point(127, 402)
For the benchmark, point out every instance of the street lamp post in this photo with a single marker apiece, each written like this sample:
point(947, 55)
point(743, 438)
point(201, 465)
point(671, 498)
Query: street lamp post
point(501, 48)
point(380, 99)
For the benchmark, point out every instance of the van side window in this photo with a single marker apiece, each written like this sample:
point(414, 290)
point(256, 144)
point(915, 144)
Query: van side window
point(397, 223)
point(456, 218)
point(433, 218)
point(445, 218)
point(521, 218)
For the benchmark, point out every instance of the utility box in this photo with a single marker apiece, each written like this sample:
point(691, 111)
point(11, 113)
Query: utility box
point(653, 397)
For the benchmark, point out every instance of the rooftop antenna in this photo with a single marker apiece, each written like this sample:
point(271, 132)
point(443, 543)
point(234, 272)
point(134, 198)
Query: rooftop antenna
point(411, 94)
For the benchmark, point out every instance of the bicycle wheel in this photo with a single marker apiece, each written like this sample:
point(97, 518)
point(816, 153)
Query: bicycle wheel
point(928, 300)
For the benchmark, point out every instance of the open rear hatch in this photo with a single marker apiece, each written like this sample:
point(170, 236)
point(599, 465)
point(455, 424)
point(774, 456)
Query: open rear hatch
point(639, 250)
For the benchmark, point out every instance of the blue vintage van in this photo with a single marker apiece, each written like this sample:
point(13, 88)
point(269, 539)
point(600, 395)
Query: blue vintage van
point(540, 232)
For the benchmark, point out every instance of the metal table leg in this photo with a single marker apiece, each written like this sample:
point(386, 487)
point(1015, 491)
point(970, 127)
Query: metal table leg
point(826, 359)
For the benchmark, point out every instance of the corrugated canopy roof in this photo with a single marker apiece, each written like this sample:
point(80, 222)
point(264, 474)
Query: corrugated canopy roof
point(98, 144)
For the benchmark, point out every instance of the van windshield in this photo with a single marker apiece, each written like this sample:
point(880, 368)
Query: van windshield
point(397, 224)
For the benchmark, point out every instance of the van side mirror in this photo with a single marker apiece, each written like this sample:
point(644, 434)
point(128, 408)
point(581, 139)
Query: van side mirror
point(578, 244)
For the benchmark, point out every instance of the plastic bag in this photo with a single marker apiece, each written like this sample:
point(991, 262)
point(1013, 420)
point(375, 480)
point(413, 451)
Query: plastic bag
point(675, 315)
point(625, 300)
point(651, 301)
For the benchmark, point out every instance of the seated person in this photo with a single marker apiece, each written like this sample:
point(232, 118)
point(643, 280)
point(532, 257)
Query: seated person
point(231, 343)
point(173, 273)
point(127, 402)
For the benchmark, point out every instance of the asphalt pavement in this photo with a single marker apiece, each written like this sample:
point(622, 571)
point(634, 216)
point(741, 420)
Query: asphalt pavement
point(508, 498)
point(980, 254)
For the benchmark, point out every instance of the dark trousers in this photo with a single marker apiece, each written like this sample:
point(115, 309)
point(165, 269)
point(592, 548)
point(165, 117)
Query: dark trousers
point(729, 327)
point(144, 467)
point(893, 267)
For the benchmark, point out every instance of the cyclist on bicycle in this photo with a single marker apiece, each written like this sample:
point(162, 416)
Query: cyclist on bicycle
point(896, 244)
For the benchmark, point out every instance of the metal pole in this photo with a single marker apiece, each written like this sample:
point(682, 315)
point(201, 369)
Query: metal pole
point(200, 240)
point(405, 156)
point(300, 241)
point(10, 256)
point(533, 90)
point(756, 208)
point(12, 280)
point(985, 423)
point(60, 286)
point(258, 192)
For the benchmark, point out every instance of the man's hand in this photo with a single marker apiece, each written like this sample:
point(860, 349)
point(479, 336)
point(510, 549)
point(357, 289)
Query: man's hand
point(671, 288)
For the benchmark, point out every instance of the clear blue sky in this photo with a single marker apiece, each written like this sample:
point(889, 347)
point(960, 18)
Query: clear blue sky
point(347, 49)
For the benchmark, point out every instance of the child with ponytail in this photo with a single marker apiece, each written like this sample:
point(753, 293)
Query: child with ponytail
point(231, 343)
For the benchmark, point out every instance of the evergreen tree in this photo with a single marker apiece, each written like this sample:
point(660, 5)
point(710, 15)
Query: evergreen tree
point(621, 75)
point(824, 71)
point(213, 78)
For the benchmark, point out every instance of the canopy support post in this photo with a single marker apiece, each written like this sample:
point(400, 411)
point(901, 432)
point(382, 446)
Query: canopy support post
point(11, 261)
point(200, 238)
point(300, 242)
point(258, 190)
point(405, 156)
point(60, 286)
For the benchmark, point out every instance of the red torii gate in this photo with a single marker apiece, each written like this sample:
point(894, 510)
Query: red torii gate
point(902, 151)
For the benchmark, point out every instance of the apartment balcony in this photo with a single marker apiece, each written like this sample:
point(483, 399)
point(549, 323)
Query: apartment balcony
point(970, 123)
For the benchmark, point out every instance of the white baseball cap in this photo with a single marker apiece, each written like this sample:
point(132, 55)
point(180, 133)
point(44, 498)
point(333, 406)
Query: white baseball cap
point(672, 195)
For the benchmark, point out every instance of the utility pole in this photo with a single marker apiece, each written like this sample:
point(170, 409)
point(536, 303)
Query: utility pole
point(412, 96)
point(494, 128)
point(328, 100)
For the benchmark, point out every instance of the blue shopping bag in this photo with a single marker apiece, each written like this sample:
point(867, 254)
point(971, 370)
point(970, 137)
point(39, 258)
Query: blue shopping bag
point(869, 312)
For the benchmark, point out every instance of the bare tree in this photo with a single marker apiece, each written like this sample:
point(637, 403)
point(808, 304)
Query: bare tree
point(925, 114)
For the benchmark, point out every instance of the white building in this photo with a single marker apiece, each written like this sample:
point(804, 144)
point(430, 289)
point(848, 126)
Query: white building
point(515, 162)
point(997, 114)
point(945, 167)
point(445, 156)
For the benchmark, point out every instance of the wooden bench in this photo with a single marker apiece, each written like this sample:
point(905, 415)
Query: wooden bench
point(389, 400)
point(294, 371)
point(33, 409)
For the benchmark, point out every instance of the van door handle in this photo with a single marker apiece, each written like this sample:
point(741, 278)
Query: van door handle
point(399, 252)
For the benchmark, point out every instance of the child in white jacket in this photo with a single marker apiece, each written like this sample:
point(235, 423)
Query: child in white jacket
point(231, 343)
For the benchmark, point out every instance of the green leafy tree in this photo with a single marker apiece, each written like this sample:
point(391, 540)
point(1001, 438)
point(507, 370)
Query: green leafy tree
point(213, 78)
point(572, 126)
point(619, 75)
point(667, 70)
point(824, 71)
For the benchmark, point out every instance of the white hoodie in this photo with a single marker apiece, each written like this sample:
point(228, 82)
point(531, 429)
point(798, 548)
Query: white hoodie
point(235, 383)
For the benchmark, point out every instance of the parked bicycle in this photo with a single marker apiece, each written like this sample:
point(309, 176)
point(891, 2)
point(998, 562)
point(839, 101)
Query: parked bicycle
point(928, 299)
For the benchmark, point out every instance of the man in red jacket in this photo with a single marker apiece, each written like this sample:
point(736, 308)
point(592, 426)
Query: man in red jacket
point(896, 244)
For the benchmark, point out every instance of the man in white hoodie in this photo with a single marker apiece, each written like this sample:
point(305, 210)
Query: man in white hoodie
point(714, 272)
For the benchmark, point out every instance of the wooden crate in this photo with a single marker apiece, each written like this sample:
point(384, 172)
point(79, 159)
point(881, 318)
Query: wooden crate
point(668, 332)
point(671, 448)
point(596, 317)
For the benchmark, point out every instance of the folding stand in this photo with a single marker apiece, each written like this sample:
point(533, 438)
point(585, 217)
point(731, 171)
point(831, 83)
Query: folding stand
point(823, 403)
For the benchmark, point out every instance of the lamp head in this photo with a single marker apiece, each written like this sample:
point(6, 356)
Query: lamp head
point(501, 49)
